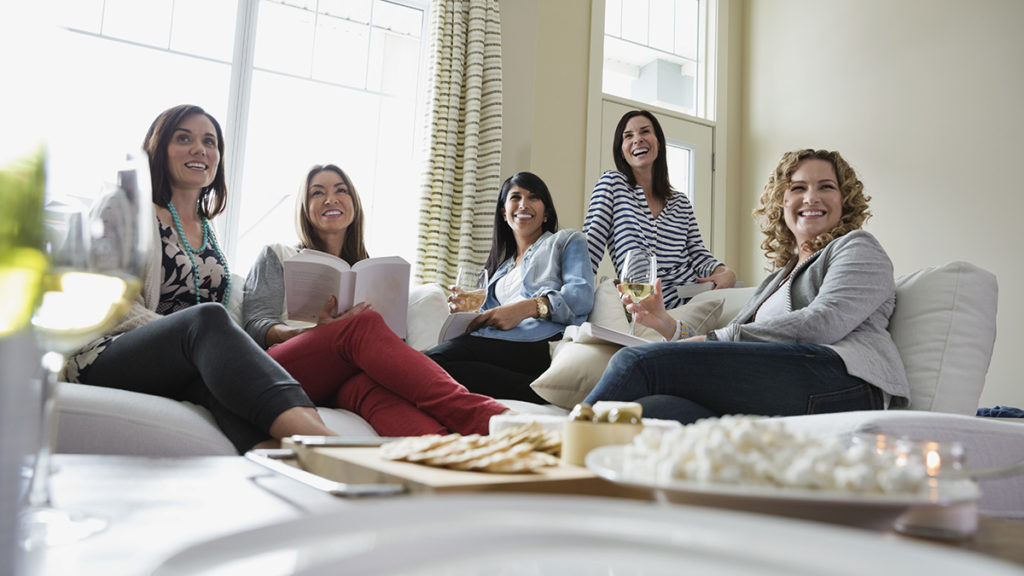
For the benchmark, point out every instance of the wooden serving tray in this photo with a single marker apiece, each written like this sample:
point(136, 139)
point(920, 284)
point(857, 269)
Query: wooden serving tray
point(363, 465)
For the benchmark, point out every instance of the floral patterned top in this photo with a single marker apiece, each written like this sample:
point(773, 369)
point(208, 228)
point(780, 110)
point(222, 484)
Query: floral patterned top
point(177, 292)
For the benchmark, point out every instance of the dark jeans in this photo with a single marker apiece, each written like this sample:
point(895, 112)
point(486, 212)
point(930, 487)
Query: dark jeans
point(687, 381)
point(501, 369)
point(200, 355)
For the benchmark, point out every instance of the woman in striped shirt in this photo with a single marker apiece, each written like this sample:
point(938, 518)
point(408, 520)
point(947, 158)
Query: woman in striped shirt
point(813, 338)
point(636, 207)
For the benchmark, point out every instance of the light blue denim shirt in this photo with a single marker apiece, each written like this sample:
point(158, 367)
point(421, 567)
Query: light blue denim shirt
point(557, 266)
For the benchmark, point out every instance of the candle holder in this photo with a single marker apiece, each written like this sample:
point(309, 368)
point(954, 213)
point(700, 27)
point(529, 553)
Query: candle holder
point(943, 462)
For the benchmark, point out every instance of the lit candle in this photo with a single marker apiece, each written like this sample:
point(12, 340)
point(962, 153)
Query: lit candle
point(932, 458)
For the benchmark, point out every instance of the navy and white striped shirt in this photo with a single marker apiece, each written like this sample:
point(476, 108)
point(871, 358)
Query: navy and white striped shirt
point(619, 219)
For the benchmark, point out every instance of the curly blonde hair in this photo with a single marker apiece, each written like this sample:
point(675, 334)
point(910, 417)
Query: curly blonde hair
point(780, 245)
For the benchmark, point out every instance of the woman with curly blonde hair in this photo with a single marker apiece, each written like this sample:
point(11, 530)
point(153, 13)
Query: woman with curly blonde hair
point(780, 243)
point(813, 337)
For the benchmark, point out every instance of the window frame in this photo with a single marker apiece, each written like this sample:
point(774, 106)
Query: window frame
point(236, 98)
point(242, 71)
point(714, 89)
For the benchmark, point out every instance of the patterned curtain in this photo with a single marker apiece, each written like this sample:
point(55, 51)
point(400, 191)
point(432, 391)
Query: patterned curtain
point(463, 167)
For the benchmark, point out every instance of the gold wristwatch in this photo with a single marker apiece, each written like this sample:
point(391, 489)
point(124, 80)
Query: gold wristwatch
point(542, 308)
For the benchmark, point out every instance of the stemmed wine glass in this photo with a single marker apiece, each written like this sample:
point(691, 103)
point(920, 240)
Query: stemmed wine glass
point(637, 277)
point(471, 287)
point(97, 256)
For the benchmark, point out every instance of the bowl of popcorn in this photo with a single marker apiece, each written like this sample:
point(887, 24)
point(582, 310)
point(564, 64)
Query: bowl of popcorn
point(758, 464)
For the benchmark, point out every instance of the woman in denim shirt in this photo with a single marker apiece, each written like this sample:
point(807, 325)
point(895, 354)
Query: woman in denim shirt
point(540, 282)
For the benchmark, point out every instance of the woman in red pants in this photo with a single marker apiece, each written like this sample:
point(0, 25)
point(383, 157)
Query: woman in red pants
point(353, 361)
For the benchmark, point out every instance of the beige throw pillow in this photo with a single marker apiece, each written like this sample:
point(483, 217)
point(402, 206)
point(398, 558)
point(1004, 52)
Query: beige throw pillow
point(576, 367)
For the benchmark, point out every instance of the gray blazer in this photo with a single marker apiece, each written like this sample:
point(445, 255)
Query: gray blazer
point(841, 297)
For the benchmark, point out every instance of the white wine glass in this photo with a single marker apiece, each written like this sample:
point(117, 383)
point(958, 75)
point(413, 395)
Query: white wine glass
point(637, 277)
point(471, 288)
point(97, 257)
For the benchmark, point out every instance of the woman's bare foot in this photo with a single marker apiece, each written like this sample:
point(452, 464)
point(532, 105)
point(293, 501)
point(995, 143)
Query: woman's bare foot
point(299, 420)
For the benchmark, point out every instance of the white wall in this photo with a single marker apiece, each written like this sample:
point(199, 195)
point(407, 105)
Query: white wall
point(926, 99)
point(545, 58)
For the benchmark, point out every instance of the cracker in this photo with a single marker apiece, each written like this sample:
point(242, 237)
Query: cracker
point(520, 449)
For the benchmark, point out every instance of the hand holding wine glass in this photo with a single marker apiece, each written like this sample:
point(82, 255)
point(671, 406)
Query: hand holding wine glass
point(97, 257)
point(637, 277)
point(469, 292)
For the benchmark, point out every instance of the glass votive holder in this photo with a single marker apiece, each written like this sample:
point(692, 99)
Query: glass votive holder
point(936, 457)
point(945, 521)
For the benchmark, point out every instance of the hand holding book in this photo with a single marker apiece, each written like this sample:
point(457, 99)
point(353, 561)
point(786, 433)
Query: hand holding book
point(310, 276)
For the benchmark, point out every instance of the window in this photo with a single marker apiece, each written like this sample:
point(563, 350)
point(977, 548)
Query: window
point(660, 55)
point(292, 82)
point(654, 53)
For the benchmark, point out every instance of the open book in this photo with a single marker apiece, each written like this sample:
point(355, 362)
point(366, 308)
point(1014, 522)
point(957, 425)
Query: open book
point(687, 291)
point(590, 333)
point(311, 277)
point(455, 325)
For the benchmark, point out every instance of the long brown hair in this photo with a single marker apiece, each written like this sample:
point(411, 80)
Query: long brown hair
point(780, 244)
point(503, 241)
point(213, 198)
point(354, 249)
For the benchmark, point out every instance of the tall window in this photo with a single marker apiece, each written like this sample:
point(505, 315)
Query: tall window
point(293, 83)
point(656, 52)
point(660, 55)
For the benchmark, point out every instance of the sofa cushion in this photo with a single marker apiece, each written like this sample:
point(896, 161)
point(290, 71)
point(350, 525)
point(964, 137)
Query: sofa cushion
point(97, 420)
point(577, 366)
point(608, 309)
point(428, 308)
point(944, 326)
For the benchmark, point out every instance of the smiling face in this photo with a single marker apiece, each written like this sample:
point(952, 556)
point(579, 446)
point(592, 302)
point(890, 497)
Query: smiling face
point(639, 143)
point(329, 203)
point(813, 203)
point(524, 213)
point(193, 154)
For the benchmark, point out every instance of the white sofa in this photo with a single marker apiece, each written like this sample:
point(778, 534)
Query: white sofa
point(944, 326)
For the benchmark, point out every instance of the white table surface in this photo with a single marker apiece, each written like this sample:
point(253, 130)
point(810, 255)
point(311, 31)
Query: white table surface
point(157, 507)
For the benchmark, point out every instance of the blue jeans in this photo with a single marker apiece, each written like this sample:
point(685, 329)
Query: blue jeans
point(687, 381)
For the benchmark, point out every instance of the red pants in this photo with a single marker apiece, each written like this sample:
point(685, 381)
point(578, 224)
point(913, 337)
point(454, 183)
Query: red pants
point(359, 364)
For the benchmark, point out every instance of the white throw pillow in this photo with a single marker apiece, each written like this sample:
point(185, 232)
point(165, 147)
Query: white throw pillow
point(428, 308)
point(608, 310)
point(944, 326)
point(576, 367)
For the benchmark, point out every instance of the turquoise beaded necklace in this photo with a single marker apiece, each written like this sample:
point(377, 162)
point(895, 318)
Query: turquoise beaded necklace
point(208, 235)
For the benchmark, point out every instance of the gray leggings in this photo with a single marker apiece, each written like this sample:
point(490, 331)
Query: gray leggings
point(200, 355)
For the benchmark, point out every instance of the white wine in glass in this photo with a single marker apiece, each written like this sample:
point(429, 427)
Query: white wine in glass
point(22, 262)
point(637, 277)
point(97, 257)
point(471, 287)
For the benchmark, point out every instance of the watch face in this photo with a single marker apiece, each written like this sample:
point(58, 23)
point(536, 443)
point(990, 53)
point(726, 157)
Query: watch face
point(542, 308)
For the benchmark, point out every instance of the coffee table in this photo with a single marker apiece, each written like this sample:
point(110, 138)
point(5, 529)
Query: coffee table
point(158, 507)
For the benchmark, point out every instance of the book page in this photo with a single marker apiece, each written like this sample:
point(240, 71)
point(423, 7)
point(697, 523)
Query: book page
point(307, 286)
point(455, 325)
point(687, 291)
point(384, 283)
point(588, 333)
point(322, 258)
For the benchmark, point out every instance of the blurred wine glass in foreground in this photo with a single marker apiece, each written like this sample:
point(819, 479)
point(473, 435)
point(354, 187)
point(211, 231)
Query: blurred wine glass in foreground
point(97, 257)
